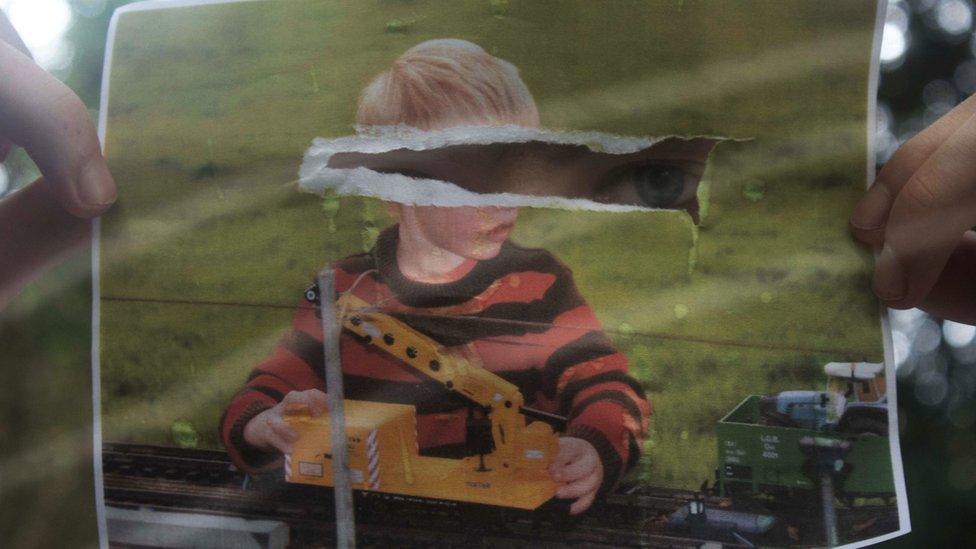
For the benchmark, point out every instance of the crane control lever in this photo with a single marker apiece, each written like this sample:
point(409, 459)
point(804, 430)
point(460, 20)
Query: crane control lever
point(557, 422)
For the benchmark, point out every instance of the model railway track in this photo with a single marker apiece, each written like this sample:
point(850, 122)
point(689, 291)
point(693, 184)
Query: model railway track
point(201, 481)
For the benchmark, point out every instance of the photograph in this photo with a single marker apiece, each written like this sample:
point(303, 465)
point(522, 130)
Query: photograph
point(500, 272)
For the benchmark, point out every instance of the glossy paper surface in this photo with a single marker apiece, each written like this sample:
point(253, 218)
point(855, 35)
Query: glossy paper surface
point(670, 234)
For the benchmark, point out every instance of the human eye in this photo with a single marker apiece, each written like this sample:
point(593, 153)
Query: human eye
point(655, 185)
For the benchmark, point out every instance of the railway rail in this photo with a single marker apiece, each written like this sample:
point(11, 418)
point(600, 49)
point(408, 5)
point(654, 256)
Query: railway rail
point(204, 482)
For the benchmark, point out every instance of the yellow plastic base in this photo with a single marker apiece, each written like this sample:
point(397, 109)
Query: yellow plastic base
point(383, 457)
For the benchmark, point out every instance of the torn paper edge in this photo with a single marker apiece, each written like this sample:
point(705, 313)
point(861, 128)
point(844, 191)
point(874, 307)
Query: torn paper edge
point(394, 187)
point(147, 5)
point(315, 175)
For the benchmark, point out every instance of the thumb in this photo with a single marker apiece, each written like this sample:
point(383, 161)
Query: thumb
point(45, 117)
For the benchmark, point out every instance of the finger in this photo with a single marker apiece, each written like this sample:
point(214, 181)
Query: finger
point(37, 234)
point(582, 504)
point(954, 295)
point(9, 35)
point(318, 404)
point(868, 219)
point(583, 465)
point(278, 443)
point(293, 403)
point(927, 220)
point(580, 487)
point(313, 401)
point(569, 449)
point(568, 453)
point(294, 408)
point(292, 397)
point(45, 117)
point(282, 430)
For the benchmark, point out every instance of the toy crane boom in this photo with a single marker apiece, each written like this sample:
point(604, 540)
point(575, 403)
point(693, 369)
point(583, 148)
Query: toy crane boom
point(511, 468)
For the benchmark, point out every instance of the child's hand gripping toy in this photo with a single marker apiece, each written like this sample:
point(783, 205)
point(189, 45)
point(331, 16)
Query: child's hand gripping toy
point(512, 465)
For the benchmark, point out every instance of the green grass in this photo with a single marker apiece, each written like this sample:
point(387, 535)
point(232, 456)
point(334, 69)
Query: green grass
point(212, 107)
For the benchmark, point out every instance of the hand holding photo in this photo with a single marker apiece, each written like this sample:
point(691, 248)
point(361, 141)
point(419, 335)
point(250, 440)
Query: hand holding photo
point(535, 229)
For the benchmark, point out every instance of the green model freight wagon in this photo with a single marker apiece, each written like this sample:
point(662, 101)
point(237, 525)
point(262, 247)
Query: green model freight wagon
point(765, 457)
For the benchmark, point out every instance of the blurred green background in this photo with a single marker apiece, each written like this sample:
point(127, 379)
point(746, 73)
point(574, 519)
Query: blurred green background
point(206, 161)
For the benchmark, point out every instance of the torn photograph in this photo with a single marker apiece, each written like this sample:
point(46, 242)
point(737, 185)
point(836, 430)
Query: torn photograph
point(491, 273)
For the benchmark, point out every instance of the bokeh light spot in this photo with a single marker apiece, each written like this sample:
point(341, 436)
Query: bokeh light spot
point(928, 337)
point(964, 77)
point(902, 348)
point(958, 335)
point(897, 15)
point(894, 44)
point(931, 388)
point(89, 8)
point(954, 17)
point(883, 119)
point(42, 24)
point(939, 92)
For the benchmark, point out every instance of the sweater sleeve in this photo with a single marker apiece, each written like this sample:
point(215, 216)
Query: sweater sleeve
point(603, 403)
point(291, 367)
point(606, 407)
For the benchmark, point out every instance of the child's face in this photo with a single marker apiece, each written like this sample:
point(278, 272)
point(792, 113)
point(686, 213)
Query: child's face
point(467, 231)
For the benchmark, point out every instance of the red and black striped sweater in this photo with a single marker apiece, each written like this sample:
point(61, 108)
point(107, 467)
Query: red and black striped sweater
point(518, 315)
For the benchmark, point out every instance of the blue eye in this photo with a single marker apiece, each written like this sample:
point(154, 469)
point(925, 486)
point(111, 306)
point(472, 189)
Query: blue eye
point(659, 186)
point(653, 185)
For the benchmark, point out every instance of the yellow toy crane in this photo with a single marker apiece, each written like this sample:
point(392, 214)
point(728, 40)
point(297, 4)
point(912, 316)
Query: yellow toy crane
point(511, 469)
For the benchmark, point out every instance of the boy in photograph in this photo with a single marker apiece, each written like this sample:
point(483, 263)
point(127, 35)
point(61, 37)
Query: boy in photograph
point(453, 274)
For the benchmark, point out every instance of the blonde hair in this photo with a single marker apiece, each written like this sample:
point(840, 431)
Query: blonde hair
point(445, 83)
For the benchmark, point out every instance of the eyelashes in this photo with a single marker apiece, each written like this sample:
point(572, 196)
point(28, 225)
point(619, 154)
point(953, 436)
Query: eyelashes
point(650, 185)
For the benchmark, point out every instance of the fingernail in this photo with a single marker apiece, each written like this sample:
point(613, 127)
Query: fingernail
point(889, 277)
point(872, 211)
point(95, 185)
